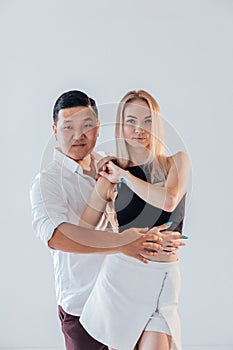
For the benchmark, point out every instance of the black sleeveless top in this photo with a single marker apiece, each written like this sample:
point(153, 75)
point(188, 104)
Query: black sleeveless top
point(132, 211)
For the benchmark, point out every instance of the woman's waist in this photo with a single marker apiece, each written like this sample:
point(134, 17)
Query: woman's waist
point(121, 259)
point(162, 258)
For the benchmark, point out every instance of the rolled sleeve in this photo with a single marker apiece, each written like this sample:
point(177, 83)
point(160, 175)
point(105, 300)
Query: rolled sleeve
point(49, 207)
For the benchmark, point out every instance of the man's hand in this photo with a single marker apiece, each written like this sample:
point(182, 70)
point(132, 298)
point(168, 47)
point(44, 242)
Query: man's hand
point(142, 243)
point(101, 165)
point(112, 172)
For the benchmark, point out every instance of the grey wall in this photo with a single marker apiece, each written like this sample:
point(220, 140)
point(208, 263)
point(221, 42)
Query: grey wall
point(180, 51)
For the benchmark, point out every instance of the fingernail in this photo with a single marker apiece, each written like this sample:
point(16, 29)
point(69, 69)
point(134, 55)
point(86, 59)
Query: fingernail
point(123, 180)
point(185, 237)
point(169, 223)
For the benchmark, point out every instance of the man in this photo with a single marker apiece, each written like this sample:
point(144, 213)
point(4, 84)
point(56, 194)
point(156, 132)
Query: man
point(58, 196)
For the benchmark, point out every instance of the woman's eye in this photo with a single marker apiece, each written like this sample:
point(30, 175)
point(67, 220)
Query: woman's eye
point(130, 121)
point(148, 121)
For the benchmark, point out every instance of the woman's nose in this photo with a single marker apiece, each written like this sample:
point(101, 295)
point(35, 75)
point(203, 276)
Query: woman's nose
point(138, 128)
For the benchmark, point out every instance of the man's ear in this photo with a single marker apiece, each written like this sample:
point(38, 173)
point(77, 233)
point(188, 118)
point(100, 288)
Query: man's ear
point(98, 128)
point(54, 130)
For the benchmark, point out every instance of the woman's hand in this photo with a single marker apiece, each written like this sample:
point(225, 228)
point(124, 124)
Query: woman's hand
point(143, 242)
point(171, 240)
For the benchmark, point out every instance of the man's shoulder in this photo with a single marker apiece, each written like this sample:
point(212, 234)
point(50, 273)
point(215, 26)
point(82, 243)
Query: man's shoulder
point(48, 174)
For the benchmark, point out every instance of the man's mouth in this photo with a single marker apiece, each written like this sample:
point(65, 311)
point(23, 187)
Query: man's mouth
point(79, 145)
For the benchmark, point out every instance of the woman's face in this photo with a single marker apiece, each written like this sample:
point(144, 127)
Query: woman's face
point(137, 123)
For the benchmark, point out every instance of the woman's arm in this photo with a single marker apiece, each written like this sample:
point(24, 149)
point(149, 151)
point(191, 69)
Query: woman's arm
point(101, 194)
point(167, 197)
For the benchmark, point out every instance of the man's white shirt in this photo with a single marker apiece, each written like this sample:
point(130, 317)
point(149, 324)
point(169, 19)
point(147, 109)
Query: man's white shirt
point(59, 194)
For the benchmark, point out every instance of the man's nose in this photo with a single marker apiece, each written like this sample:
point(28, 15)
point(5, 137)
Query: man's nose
point(78, 133)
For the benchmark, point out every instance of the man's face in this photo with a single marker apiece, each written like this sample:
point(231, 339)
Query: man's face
point(76, 131)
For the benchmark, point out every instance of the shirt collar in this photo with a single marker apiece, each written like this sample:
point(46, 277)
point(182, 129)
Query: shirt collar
point(67, 162)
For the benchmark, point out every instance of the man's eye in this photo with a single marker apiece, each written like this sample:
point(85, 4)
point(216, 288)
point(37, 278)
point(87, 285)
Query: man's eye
point(88, 125)
point(68, 127)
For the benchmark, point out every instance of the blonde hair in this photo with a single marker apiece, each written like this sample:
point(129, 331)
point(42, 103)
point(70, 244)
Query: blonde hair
point(157, 149)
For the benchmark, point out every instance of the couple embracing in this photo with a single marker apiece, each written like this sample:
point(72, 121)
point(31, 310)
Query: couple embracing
point(113, 226)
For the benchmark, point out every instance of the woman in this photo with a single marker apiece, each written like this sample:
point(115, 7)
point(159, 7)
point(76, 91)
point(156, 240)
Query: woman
point(134, 305)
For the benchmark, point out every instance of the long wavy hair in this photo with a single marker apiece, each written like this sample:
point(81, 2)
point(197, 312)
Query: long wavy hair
point(157, 159)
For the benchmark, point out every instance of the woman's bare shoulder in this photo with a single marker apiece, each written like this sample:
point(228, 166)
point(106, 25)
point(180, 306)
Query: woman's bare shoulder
point(180, 155)
point(179, 158)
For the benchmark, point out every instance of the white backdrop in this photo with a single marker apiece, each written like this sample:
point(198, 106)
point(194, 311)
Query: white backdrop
point(180, 51)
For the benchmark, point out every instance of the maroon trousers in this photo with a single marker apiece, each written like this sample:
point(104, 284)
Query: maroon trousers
point(76, 337)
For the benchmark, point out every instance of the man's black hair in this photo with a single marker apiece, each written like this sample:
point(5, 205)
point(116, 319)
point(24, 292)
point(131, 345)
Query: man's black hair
point(71, 99)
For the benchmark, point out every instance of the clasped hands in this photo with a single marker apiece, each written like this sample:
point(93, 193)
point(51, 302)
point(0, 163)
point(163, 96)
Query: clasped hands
point(168, 241)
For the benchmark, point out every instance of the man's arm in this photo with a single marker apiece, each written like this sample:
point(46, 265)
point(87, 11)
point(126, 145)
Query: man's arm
point(132, 242)
point(60, 241)
point(50, 222)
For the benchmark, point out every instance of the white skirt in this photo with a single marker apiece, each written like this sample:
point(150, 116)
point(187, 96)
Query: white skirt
point(130, 297)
